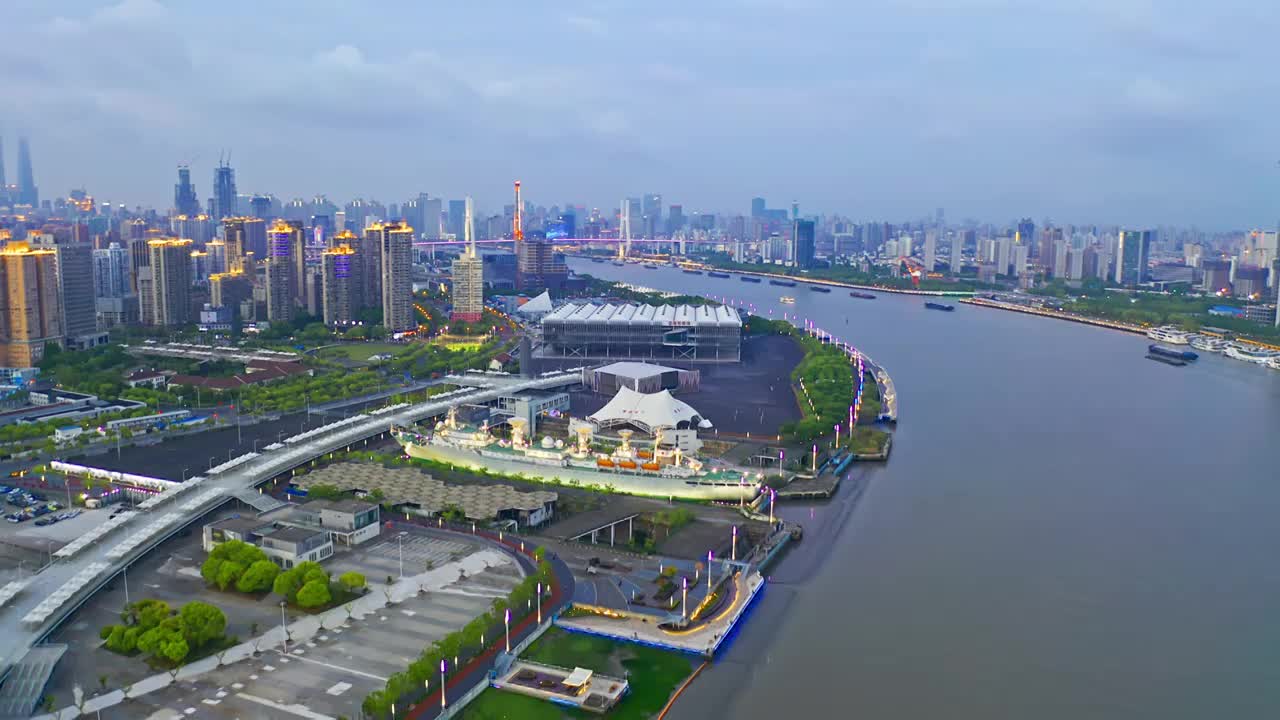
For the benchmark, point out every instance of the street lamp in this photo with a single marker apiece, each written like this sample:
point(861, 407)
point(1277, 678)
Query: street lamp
point(442, 685)
point(734, 555)
point(684, 600)
point(506, 620)
point(708, 572)
point(284, 629)
point(400, 539)
point(539, 603)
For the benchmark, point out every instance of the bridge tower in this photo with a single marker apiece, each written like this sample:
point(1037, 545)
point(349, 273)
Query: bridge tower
point(624, 230)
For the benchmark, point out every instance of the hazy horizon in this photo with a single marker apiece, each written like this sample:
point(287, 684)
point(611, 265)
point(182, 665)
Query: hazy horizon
point(1128, 112)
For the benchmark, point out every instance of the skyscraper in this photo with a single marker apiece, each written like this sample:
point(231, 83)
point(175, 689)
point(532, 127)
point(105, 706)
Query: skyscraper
point(468, 277)
point(757, 207)
point(2, 180)
point(457, 209)
point(74, 261)
point(30, 312)
point(957, 252)
point(343, 296)
point(397, 278)
point(224, 191)
point(1133, 250)
point(170, 271)
point(185, 201)
point(28, 194)
point(280, 270)
point(802, 232)
point(930, 249)
point(111, 272)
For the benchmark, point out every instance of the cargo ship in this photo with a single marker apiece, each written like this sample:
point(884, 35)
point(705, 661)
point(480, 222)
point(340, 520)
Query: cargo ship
point(692, 272)
point(717, 275)
point(939, 306)
point(787, 300)
point(862, 295)
point(783, 283)
point(1185, 355)
point(748, 278)
point(659, 471)
point(819, 288)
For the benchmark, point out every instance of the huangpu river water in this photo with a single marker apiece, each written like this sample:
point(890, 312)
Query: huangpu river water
point(1066, 530)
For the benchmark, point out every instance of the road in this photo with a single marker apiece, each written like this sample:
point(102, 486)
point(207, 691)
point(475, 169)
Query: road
point(22, 635)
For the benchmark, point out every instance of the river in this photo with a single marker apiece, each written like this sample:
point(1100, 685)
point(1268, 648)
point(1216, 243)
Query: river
point(1066, 530)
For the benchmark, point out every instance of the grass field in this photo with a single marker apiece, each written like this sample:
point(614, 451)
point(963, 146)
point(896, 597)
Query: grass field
point(653, 674)
point(360, 352)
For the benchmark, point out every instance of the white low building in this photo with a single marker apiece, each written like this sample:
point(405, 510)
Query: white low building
point(650, 412)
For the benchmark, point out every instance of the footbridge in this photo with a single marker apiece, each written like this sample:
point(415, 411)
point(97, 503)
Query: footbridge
point(31, 612)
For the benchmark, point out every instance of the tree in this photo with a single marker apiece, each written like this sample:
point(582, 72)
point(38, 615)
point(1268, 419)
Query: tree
point(258, 577)
point(202, 623)
point(165, 640)
point(352, 581)
point(240, 555)
point(324, 492)
point(314, 593)
point(228, 573)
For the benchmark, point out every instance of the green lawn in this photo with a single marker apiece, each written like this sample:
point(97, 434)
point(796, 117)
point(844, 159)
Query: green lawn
point(360, 352)
point(654, 674)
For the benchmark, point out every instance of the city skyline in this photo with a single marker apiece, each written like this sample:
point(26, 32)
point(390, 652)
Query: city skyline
point(865, 114)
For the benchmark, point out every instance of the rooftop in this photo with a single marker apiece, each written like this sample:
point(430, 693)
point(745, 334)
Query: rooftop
point(628, 314)
point(348, 505)
point(635, 370)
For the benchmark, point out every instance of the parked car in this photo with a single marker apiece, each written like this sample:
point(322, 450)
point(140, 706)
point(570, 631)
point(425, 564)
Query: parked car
point(46, 521)
point(15, 517)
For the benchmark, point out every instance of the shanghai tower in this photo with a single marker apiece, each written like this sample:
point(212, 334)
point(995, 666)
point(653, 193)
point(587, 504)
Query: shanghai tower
point(185, 201)
point(224, 191)
point(28, 194)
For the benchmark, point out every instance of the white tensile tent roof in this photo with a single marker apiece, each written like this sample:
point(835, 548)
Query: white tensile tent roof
point(648, 411)
point(578, 678)
point(540, 304)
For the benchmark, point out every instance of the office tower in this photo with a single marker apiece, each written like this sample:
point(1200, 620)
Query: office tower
point(904, 246)
point(675, 219)
point(281, 289)
point(170, 280)
point(245, 237)
point(1132, 252)
point(224, 191)
point(930, 249)
point(341, 285)
point(802, 234)
point(468, 277)
point(1192, 254)
point(298, 255)
point(1250, 282)
point(957, 252)
point(397, 278)
point(757, 207)
point(635, 210)
point(185, 201)
point(260, 207)
point(1075, 264)
point(457, 209)
point(795, 210)
point(1026, 233)
point(28, 194)
point(651, 208)
point(30, 309)
point(340, 221)
point(74, 262)
point(371, 264)
point(111, 272)
point(431, 211)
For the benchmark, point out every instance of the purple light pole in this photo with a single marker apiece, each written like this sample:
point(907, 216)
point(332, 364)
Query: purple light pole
point(773, 497)
point(442, 685)
point(708, 572)
point(539, 603)
point(684, 602)
point(506, 620)
point(837, 436)
point(734, 552)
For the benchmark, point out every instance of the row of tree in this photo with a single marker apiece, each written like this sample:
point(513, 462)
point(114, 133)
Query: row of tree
point(247, 569)
point(410, 686)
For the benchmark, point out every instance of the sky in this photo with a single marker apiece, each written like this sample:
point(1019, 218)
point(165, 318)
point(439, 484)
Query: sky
point(1133, 112)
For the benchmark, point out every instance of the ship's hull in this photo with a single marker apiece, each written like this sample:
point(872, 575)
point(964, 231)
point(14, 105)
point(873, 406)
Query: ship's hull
point(646, 484)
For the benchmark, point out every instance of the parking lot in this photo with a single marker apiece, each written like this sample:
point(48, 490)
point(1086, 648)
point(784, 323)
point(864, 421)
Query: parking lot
point(329, 676)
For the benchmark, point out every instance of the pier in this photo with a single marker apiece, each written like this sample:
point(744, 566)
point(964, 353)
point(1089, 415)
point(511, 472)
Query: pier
point(1013, 307)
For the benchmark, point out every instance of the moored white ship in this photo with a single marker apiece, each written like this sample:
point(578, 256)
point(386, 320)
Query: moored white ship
point(1209, 344)
point(1169, 334)
point(1258, 355)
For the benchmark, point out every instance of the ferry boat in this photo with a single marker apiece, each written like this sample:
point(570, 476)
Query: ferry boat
point(692, 272)
point(619, 263)
point(862, 295)
point(787, 300)
point(939, 306)
point(1261, 356)
point(1204, 343)
point(1166, 359)
point(597, 260)
point(1169, 334)
point(720, 275)
point(819, 288)
point(1185, 355)
point(1274, 363)
point(783, 283)
point(659, 471)
point(748, 278)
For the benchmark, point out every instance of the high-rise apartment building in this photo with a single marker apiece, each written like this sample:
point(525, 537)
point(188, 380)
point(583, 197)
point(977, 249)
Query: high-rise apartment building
point(170, 280)
point(246, 239)
point(224, 192)
point(185, 201)
point(30, 308)
point(371, 264)
point(281, 283)
point(468, 277)
point(75, 286)
point(230, 289)
point(341, 283)
point(930, 249)
point(1133, 251)
point(957, 252)
point(397, 277)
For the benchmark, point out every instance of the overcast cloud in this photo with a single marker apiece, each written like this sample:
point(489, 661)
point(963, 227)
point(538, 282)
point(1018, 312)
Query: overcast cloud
point(1127, 111)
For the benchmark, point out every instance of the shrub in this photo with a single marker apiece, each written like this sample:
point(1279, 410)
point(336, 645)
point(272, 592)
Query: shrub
point(314, 593)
